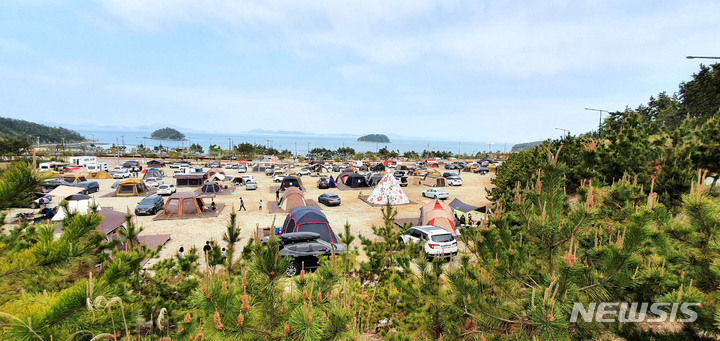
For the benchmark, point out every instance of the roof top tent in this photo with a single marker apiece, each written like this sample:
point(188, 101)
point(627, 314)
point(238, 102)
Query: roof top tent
point(130, 187)
point(189, 180)
point(355, 180)
point(292, 198)
point(291, 181)
point(156, 164)
point(184, 204)
point(152, 173)
point(210, 188)
point(309, 219)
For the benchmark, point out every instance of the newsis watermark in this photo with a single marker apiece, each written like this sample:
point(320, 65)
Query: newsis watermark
point(635, 312)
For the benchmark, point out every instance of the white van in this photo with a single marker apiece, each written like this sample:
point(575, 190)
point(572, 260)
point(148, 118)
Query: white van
point(97, 167)
point(82, 161)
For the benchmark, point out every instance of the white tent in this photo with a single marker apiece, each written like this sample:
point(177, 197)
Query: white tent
point(388, 189)
point(76, 203)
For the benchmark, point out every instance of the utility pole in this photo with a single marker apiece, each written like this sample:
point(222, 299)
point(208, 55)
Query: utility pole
point(600, 121)
point(565, 131)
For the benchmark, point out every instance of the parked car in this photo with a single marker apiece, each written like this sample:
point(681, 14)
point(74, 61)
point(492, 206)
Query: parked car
point(399, 173)
point(179, 164)
point(269, 171)
point(450, 166)
point(215, 164)
point(454, 180)
point(437, 242)
point(304, 248)
point(247, 178)
point(242, 168)
point(329, 199)
point(279, 177)
point(166, 189)
point(304, 171)
point(481, 170)
point(121, 174)
point(154, 182)
point(150, 205)
point(323, 182)
point(403, 181)
point(250, 185)
point(88, 186)
point(449, 174)
point(436, 193)
point(53, 183)
point(335, 168)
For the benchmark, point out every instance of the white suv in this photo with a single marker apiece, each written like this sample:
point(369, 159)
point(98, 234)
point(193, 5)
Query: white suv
point(436, 241)
point(454, 180)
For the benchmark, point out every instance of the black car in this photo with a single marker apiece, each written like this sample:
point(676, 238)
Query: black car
point(399, 173)
point(449, 174)
point(481, 170)
point(133, 166)
point(304, 248)
point(323, 183)
point(53, 183)
point(150, 205)
point(88, 186)
point(403, 181)
point(450, 166)
point(329, 199)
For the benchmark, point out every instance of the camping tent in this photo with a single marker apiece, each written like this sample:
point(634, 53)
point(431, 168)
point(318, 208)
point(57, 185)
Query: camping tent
point(293, 197)
point(216, 174)
point(379, 167)
point(190, 180)
point(184, 204)
point(374, 178)
point(99, 175)
point(388, 190)
point(64, 191)
point(74, 178)
point(437, 214)
point(210, 188)
point(342, 177)
point(309, 219)
point(130, 187)
point(79, 203)
point(355, 180)
point(434, 181)
point(291, 181)
point(152, 173)
point(156, 164)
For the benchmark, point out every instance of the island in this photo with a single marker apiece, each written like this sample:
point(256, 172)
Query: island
point(382, 138)
point(167, 134)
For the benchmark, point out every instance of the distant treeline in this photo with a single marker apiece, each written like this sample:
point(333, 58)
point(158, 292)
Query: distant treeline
point(31, 132)
point(525, 146)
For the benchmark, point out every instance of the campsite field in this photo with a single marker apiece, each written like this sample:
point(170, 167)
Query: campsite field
point(360, 215)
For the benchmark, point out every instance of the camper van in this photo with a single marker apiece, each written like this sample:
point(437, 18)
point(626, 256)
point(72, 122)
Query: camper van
point(51, 166)
point(97, 167)
point(82, 161)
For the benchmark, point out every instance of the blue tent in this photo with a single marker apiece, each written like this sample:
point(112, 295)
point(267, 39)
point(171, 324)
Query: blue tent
point(309, 219)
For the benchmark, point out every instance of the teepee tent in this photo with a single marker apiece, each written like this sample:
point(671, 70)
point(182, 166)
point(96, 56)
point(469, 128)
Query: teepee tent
point(388, 190)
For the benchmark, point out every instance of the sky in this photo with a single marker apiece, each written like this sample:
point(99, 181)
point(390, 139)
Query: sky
point(503, 71)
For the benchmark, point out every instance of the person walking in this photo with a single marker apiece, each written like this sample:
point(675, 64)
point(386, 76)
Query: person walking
point(242, 205)
point(206, 250)
point(260, 205)
point(277, 195)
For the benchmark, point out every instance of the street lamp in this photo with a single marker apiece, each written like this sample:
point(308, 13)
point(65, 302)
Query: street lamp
point(564, 131)
point(600, 120)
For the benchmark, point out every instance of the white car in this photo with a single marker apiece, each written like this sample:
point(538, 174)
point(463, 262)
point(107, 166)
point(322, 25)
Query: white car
point(437, 242)
point(436, 193)
point(247, 178)
point(166, 189)
point(242, 168)
point(121, 174)
point(303, 171)
point(454, 180)
point(279, 177)
point(154, 182)
point(250, 185)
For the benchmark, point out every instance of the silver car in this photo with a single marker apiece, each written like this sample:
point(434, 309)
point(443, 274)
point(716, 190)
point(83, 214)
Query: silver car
point(250, 185)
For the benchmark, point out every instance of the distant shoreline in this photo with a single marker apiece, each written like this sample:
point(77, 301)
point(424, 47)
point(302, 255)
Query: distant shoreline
point(373, 142)
point(158, 139)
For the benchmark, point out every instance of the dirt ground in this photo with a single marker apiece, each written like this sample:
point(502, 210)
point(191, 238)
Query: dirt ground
point(194, 232)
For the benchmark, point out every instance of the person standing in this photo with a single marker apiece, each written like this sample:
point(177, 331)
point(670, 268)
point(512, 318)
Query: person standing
point(260, 205)
point(242, 205)
point(206, 250)
point(277, 195)
point(181, 252)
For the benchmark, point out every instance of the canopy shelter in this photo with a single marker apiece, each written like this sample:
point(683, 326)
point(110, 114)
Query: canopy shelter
point(291, 181)
point(389, 190)
point(292, 197)
point(210, 188)
point(99, 175)
point(131, 188)
point(437, 214)
point(309, 219)
point(156, 164)
point(462, 209)
point(258, 167)
point(64, 191)
point(79, 203)
point(74, 178)
point(319, 168)
point(152, 173)
point(189, 180)
point(434, 181)
point(184, 204)
point(216, 174)
point(355, 180)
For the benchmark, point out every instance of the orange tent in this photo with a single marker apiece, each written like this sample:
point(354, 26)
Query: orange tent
point(438, 214)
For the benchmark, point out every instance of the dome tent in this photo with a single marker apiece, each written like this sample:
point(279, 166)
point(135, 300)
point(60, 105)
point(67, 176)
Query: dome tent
point(438, 214)
point(130, 187)
point(183, 204)
point(388, 190)
point(309, 219)
point(152, 173)
point(355, 180)
point(293, 197)
point(210, 188)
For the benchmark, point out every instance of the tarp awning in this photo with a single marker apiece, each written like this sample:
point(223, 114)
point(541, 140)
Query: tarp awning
point(63, 191)
point(463, 207)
